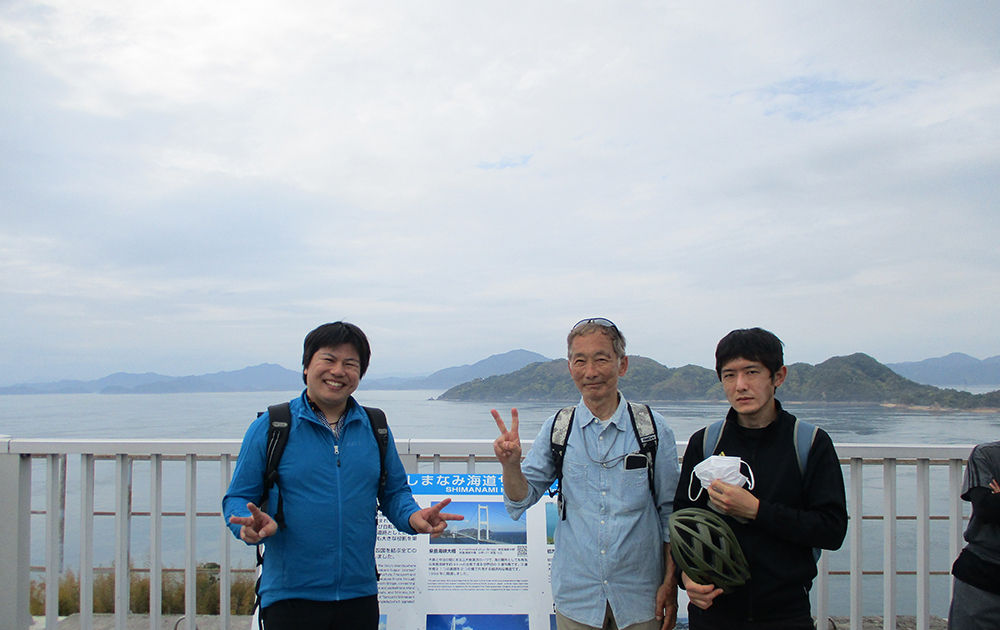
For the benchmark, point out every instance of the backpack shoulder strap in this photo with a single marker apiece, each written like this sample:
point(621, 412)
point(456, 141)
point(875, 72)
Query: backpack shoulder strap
point(713, 435)
point(280, 417)
point(380, 429)
point(645, 433)
point(803, 434)
point(562, 425)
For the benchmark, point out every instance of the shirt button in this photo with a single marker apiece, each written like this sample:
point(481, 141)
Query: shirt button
point(602, 522)
point(602, 552)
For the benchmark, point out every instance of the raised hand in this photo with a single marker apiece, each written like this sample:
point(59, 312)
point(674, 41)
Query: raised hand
point(255, 527)
point(507, 447)
point(431, 520)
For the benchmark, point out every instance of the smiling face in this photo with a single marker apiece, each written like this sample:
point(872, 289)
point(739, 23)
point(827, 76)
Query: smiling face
point(331, 377)
point(750, 387)
point(595, 370)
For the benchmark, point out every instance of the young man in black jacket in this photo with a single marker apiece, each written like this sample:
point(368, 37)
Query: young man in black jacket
point(793, 507)
point(975, 603)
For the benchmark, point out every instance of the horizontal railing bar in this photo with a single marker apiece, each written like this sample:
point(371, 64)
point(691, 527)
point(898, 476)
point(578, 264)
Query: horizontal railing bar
point(867, 517)
point(134, 569)
point(876, 572)
point(213, 449)
point(133, 448)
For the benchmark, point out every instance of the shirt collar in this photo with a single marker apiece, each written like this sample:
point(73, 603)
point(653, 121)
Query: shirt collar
point(585, 417)
point(350, 412)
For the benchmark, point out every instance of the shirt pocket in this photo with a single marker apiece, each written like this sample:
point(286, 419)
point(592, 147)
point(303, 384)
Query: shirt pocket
point(576, 470)
point(635, 492)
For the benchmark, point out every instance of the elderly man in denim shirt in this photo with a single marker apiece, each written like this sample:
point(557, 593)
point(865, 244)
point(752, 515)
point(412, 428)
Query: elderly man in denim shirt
point(612, 567)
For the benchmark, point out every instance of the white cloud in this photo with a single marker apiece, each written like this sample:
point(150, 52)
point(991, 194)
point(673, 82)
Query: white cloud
point(464, 179)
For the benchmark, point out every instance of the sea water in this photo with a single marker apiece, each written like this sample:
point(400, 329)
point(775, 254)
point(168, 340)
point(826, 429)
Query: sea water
point(416, 414)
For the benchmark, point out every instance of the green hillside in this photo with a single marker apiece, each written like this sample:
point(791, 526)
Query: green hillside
point(857, 378)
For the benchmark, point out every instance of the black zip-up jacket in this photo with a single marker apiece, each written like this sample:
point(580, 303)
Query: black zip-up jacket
point(797, 513)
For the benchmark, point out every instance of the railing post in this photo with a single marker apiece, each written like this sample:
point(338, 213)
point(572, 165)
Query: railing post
point(190, 548)
point(86, 541)
point(955, 522)
point(55, 511)
point(411, 464)
point(857, 552)
point(15, 553)
point(155, 540)
point(923, 544)
point(225, 570)
point(889, 544)
point(823, 591)
point(123, 538)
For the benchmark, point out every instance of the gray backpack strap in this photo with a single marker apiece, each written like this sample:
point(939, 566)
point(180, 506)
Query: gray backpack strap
point(562, 425)
point(645, 432)
point(803, 434)
point(713, 435)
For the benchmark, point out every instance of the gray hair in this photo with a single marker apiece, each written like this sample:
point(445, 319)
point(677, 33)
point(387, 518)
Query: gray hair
point(588, 326)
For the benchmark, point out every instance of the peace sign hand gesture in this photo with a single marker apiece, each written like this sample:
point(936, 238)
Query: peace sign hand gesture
point(507, 447)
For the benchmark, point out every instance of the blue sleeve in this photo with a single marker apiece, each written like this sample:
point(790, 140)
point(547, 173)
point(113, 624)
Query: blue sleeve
point(538, 468)
point(247, 483)
point(666, 473)
point(397, 503)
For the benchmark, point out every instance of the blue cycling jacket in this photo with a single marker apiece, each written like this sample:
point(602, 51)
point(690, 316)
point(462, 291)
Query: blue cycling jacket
point(329, 487)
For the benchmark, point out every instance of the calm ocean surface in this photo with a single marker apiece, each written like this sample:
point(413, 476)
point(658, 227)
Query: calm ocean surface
point(414, 414)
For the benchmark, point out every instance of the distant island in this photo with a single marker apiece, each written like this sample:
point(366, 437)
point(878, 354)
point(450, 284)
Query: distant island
point(443, 379)
point(520, 375)
point(955, 369)
point(857, 378)
point(268, 377)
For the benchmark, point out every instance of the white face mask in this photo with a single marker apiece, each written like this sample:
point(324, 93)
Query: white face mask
point(721, 468)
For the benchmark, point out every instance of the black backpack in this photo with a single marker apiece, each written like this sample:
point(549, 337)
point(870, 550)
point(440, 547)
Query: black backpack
point(277, 437)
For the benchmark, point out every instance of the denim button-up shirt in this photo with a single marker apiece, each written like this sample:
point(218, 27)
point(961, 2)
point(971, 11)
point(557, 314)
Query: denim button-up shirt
point(610, 547)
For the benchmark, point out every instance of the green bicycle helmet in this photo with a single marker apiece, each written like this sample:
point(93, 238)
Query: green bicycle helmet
point(705, 548)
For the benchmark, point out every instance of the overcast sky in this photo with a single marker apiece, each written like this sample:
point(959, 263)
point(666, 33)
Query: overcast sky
point(192, 186)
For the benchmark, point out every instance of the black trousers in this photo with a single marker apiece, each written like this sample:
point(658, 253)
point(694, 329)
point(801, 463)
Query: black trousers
point(699, 620)
point(306, 614)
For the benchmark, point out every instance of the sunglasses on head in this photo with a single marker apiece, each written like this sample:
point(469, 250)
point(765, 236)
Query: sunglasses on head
point(600, 321)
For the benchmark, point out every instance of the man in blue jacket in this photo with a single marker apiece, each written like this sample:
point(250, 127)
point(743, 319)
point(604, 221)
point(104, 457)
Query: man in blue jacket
point(320, 568)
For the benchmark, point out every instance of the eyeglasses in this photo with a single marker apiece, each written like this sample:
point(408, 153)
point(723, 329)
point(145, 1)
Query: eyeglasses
point(600, 321)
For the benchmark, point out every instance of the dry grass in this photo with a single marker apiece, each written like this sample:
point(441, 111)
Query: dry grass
point(207, 592)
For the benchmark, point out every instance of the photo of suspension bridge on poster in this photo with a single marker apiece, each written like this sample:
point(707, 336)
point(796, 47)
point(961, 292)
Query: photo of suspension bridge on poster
point(486, 523)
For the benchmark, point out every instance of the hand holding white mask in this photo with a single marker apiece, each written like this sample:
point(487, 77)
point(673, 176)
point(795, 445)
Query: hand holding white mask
point(721, 468)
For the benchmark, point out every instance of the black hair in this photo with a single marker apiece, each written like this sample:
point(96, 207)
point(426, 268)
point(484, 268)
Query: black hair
point(333, 335)
point(752, 344)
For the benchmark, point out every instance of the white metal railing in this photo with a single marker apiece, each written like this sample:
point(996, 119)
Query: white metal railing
point(20, 458)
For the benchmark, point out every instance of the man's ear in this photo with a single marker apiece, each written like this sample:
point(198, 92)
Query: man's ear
point(623, 367)
point(779, 376)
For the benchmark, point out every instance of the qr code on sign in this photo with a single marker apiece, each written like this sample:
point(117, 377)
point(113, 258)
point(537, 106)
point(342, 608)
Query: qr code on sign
point(522, 550)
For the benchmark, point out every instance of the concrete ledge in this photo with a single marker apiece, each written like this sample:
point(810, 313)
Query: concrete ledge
point(237, 622)
point(903, 622)
point(141, 622)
